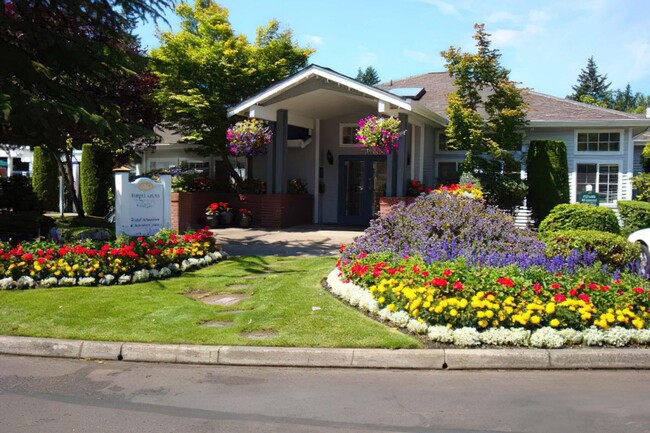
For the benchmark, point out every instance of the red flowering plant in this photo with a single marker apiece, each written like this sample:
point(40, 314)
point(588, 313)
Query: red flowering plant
point(212, 209)
point(249, 137)
point(379, 133)
point(415, 188)
point(46, 263)
point(223, 206)
point(244, 212)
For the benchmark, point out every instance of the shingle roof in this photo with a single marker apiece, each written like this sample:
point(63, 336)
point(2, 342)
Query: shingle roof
point(541, 106)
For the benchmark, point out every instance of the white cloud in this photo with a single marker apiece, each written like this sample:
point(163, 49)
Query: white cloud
point(533, 27)
point(497, 17)
point(313, 40)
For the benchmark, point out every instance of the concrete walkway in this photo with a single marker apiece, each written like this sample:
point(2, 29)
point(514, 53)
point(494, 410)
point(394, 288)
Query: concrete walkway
point(307, 240)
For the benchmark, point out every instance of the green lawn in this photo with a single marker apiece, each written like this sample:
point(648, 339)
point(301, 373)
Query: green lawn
point(283, 289)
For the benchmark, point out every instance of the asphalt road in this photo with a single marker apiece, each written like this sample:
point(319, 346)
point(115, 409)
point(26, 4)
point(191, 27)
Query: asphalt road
point(56, 395)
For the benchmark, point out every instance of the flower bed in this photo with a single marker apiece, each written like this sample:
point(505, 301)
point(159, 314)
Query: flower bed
point(129, 260)
point(459, 272)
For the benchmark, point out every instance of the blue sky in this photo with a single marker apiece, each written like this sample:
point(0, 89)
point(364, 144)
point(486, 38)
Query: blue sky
point(545, 44)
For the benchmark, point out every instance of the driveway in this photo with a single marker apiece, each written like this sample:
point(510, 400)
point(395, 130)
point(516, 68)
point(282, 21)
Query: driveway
point(305, 240)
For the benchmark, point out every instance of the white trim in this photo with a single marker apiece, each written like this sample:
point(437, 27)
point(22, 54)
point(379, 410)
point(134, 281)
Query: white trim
point(598, 163)
point(630, 166)
point(436, 168)
point(621, 134)
point(347, 125)
point(436, 139)
point(421, 129)
point(412, 144)
point(316, 140)
point(603, 123)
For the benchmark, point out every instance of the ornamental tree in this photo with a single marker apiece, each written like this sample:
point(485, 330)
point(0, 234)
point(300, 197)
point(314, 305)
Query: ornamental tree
point(206, 67)
point(368, 76)
point(487, 116)
point(64, 83)
point(592, 87)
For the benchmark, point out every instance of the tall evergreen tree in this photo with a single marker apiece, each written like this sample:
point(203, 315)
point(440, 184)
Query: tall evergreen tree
point(368, 76)
point(591, 87)
point(483, 86)
point(624, 100)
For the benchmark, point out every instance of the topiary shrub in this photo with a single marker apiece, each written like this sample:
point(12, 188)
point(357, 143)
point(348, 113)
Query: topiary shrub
point(580, 217)
point(45, 177)
point(442, 227)
point(548, 176)
point(634, 214)
point(95, 178)
point(612, 250)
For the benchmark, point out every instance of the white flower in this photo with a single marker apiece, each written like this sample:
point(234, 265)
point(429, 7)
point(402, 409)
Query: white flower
point(399, 318)
point(25, 282)
point(466, 337)
point(440, 334)
point(641, 336)
point(174, 268)
point(618, 336)
point(67, 281)
point(593, 336)
point(140, 276)
point(6, 283)
point(165, 273)
point(571, 336)
point(505, 337)
point(48, 282)
point(416, 327)
point(88, 281)
point(154, 274)
point(107, 280)
point(547, 337)
point(124, 279)
point(384, 314)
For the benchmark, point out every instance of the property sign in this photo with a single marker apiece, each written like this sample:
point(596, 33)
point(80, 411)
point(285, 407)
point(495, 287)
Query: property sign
point(590, 198)
point(142, 207)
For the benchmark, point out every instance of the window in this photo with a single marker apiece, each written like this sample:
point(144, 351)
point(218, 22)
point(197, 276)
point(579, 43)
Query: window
point(602, 177)
point(448, 172)
point(599, 141)
point(349, 134)
point(442, 142)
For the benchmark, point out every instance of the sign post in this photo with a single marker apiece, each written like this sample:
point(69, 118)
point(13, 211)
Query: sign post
point(589, 197)
point(142, 207)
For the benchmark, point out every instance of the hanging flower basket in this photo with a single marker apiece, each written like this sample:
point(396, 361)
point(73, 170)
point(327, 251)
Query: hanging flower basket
point(249, 137)
point(379, 133)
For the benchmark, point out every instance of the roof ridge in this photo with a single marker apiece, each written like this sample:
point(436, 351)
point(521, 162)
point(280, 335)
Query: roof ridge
point(387, 83)
point(584, 105)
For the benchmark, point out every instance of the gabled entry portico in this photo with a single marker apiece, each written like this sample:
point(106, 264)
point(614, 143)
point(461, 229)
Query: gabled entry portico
point(344, 179)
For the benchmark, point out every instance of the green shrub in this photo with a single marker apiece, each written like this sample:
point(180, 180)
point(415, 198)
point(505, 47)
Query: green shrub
point(645, 158)
point(641, 183)
point(580, 217)
point(613, 250)
point(45, 178)
point(548, 176)
point(635, 215)
point(96, 178)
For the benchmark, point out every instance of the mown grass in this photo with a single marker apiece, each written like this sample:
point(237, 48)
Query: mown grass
point(283, 289)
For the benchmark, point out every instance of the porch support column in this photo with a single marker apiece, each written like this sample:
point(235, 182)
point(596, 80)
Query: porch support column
point(270, 162)
point(281, 135)
point(391, 174)
point(316, 141)
point(404, 141)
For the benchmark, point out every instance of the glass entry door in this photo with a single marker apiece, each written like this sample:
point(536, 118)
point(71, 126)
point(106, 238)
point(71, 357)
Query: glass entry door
point(362, 181)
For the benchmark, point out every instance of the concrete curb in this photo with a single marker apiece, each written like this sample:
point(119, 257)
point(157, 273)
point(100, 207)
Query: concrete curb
point(416, 359)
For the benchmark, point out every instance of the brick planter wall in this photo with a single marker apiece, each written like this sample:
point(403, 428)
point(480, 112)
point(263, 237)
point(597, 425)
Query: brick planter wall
point(386, 203)
point(272, 211)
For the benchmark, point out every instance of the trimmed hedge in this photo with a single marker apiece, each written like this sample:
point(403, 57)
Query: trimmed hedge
point(635, 215)
point(548, 176)
point(580, 217)
point(45, 178)
point(96, 178)
point(612, 250)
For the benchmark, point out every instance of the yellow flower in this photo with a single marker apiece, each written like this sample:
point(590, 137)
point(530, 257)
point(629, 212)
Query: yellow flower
point(550, 308)
point(489, 314)
point(483, 323)
point(480, 314)
point(381, 300)
point(453, 313)
point(391, 307)
point(535, 320)
point(463, 303)
point(554, 323)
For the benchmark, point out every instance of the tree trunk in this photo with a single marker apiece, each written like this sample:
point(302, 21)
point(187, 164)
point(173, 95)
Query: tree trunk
point(65, 168)
point(225, 157)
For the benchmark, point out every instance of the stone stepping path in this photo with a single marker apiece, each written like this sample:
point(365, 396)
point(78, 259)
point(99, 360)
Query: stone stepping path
point(224, 300)
point(216, 324)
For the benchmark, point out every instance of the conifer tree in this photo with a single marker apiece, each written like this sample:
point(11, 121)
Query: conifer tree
point(368, 76)
point(591, 87)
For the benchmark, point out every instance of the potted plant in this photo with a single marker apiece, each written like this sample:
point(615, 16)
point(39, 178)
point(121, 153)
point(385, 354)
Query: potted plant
point(249, 137)
point(212, 215)
point(225, 213)
point(379, 133)
point(245, 218)
point(297, 186)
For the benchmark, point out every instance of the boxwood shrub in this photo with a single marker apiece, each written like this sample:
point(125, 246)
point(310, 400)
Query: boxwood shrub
point(96, 178)
point(580, 217)
point(45, 177)
point(634, 214)
point(548, 176)
point(612, 250)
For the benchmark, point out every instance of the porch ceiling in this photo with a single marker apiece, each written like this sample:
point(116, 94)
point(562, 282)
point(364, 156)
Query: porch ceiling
point(322, 104)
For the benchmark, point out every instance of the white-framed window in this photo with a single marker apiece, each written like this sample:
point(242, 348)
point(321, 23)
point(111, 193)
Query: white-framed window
point(605, 179)
point(448, 171)
point(442, 145)
point(598, 142)
point(348, 134)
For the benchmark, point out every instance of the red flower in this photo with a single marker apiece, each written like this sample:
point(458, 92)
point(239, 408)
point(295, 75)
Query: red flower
point(593, 286)
point(573, 292)
point(361, 256)
point(458, 285)
point(447, 272)
point(559, 297)
point(638, 290)
point(537, 288)
point(439, 282)
point(416, 269)
point(507, 282)
point(604, 288)
point(555, 286)
point(391, 271)
point(341, 248)
point(27, 257)
point(425, 273)
point(584, 297)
